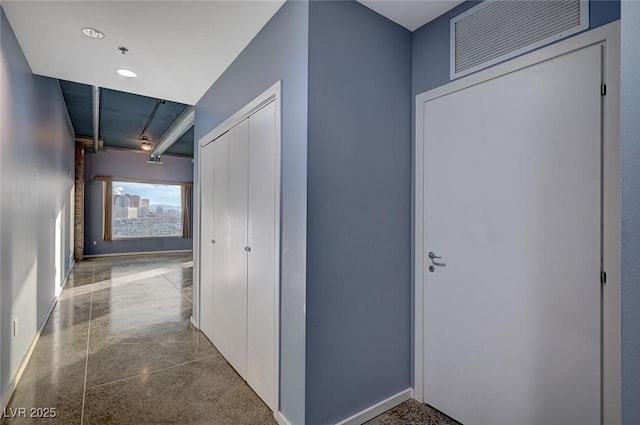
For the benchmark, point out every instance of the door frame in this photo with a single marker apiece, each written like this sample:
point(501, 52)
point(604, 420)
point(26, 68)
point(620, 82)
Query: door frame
point(609, 37)
point(272, 94)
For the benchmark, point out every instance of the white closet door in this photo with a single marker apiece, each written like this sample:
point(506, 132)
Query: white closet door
point(261, 266)
point(206, 239)
point(233, 293)
point(221, 319)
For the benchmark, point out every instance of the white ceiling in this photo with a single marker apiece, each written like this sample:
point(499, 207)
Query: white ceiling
point(411, 14)
point(178, 48)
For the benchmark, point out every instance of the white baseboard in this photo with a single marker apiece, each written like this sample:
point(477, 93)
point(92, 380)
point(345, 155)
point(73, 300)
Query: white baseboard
point(377, 409)
point(71, 265)
point(8, 393)
point(194, 323)
point(125, 254)
point(281, 419)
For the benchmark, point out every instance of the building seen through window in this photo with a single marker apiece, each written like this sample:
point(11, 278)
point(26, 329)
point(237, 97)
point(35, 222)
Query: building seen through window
point(143, 210)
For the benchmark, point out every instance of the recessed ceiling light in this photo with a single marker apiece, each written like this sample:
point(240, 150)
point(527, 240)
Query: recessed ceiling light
point(92, 33)
point(126, 73)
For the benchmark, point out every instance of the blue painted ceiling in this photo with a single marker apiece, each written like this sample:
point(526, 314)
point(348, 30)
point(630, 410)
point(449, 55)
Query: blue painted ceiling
point(123, 116)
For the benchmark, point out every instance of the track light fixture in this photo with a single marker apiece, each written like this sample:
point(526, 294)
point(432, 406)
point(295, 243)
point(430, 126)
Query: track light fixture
point(146, 145)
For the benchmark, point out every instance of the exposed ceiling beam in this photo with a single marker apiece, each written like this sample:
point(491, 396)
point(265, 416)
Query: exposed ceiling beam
point(180, 126)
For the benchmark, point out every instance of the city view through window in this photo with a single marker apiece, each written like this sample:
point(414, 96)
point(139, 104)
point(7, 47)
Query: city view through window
point(143, 210)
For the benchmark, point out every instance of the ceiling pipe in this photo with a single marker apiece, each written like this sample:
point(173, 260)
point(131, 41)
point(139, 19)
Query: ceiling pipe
point(151, 116)
point(95, 102)
point(180, 126)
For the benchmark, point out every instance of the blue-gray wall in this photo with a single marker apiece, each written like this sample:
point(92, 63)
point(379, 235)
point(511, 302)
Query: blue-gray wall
point(128, 165)
point(278, 52)
point(36, 178)
point(359, 211)
point(630, 107)
point(346, 229)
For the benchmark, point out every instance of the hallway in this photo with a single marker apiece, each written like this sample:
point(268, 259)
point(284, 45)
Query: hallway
point(119, 348)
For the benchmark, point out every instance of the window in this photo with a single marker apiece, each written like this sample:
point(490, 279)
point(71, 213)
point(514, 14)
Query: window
point(146, 210)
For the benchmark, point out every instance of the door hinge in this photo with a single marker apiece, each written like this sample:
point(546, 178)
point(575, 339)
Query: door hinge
point(603, 277)
point(603, 89)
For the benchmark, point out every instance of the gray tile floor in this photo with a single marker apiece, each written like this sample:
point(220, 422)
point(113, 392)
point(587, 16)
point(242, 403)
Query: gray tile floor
point(119, 348)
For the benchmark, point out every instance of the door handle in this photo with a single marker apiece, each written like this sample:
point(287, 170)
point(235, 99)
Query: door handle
point(247, 249)
point(433, 257)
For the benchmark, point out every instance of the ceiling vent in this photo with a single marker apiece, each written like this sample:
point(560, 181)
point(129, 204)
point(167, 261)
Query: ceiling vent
point(497, 30)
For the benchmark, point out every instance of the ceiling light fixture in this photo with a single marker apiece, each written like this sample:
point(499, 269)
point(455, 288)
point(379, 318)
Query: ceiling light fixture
point(126, 73)
point(92, 33)
point(146, 145)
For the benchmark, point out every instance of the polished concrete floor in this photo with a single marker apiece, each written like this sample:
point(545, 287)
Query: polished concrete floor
point(119, 348)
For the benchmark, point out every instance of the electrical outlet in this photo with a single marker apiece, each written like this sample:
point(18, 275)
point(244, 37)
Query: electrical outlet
point(95, 243)
point(15, 328)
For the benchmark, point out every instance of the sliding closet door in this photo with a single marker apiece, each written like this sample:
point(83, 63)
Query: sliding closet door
point(261, 266)
point(207, 241)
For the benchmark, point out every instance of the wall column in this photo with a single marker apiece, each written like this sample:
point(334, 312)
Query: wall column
point(78, 214)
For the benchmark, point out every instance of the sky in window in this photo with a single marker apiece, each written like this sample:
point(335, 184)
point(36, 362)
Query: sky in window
point(158, 194)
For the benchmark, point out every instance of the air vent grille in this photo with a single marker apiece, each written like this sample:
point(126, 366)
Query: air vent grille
point(497, 30)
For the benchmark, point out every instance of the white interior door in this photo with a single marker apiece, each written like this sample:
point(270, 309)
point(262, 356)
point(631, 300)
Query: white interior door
point(512, 201)
point(262, 266)
point(232, 295)
point(207, 239)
